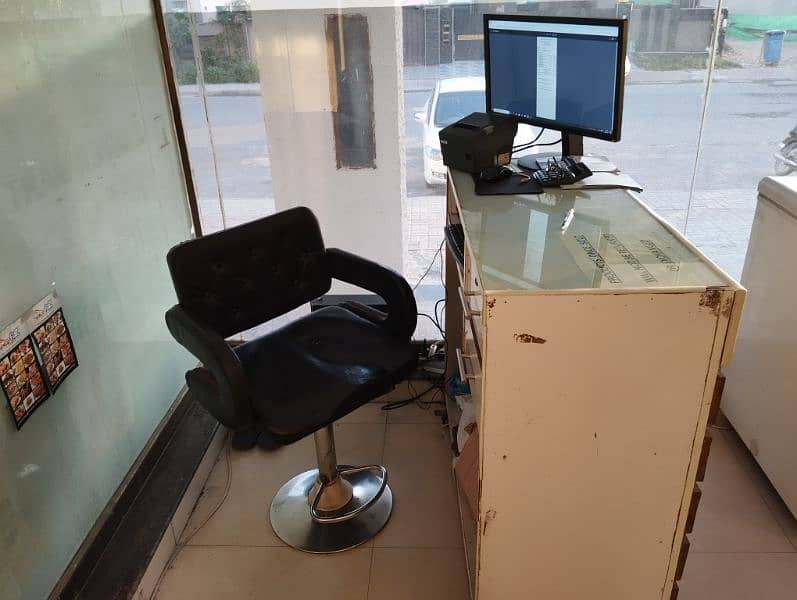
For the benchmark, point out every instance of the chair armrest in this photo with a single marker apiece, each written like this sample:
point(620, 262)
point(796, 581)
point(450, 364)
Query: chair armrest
point(221, 382)
point(402, 313)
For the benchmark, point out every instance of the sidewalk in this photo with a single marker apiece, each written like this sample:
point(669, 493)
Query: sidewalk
point(223, 89)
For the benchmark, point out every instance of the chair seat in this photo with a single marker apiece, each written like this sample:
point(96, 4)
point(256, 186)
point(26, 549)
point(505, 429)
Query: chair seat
point(319, 368)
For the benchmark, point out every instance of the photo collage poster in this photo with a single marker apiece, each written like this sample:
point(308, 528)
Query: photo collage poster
point(21, 374)
point(53, 342)
point(36, 356)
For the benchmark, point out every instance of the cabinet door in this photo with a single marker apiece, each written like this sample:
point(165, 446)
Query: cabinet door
point(591, 404)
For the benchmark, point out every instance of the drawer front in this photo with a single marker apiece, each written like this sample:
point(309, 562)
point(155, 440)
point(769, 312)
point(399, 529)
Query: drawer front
point(473, 331)
point(703, 462)
point(470, 365)
point(690, 516)
point(472, 288)
point(682, 555)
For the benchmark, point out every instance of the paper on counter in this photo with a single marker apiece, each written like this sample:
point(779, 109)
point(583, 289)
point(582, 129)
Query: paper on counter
point(599, 164)
point(601, 180)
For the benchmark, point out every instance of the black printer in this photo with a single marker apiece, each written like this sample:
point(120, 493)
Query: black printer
point(478, 141)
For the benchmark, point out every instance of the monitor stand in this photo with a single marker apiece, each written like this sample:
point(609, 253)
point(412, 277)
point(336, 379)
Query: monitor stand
point(572, 145)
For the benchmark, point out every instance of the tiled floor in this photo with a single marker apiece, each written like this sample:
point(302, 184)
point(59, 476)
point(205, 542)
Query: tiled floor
point(744, 545)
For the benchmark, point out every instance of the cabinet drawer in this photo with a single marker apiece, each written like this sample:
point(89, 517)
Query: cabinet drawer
point(470, 369)
point(472, 287)
point(470, 366)
point(690, 516)
point(472, 316)
point(682, 555)
point(472, 338)
point(703, 462)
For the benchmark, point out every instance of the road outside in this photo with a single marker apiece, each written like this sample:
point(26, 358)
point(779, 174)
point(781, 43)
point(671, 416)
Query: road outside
point(749, 113)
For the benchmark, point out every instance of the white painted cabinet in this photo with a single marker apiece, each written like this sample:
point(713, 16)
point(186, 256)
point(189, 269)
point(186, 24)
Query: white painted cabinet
point(593, 355)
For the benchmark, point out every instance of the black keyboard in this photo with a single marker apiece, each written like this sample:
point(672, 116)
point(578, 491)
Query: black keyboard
point(455, 238)
point(562, 172)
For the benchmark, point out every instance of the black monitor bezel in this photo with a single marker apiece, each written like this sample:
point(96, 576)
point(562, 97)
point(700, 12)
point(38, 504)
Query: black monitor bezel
point(622, 24)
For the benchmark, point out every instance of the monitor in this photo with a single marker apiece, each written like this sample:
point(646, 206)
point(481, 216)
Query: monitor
point(560, 73)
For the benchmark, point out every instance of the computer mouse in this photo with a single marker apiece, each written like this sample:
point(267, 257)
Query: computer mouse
point(494, 174)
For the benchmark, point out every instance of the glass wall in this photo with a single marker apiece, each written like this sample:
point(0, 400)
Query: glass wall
point(703, 114)
point(92, 197)
point(751, 108)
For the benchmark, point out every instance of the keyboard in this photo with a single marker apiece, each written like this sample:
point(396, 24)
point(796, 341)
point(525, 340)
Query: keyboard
point(562, 172)
point(455, 239)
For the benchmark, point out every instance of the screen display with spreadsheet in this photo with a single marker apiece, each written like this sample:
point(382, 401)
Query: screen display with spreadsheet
point(561, 73)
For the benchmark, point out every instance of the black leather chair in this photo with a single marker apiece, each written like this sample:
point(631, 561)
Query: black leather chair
point(299, 379)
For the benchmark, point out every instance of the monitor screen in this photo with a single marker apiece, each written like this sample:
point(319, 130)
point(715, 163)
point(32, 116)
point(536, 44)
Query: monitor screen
point(561, 73)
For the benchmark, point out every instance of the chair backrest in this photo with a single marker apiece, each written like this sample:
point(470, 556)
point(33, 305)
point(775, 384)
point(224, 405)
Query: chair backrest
point(243, 276)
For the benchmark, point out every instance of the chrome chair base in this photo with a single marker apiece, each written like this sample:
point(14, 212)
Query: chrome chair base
point(299, 519)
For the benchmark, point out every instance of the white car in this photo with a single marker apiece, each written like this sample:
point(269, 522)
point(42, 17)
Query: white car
point(451, 100)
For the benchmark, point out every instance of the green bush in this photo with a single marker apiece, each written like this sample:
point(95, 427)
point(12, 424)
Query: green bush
point(662, 61)
point(219, 68)
point(248, 72)
point(185, 73)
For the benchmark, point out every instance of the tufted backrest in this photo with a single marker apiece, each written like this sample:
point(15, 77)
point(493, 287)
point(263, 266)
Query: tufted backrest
point(243, 276)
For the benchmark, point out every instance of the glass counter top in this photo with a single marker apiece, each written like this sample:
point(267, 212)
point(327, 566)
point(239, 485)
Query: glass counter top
point(611, 242)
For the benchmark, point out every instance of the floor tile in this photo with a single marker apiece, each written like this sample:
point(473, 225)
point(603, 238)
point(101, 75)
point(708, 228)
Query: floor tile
point(413, 574)
point(403, 390)
point(416, 413)
point(242, 519)
point(739, 577)
point(732, 516)
point(765, 489)
point(425, 513)
point(199, 573)
point(422, 411)
point(367, 413)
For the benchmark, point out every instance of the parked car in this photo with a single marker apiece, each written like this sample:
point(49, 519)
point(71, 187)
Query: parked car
point(786, 156)
point(451, 100)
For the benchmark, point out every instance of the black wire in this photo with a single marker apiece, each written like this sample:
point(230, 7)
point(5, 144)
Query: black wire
point(439, 317)
point(528, 144)
point(434, 322)
point(559, 141)
point(440, 384)
point(401, 403)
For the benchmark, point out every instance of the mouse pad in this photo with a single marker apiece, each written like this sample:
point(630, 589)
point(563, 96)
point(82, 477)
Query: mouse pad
point(516, 184)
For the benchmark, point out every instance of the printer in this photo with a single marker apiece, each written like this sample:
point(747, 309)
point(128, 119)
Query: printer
point(478, 141)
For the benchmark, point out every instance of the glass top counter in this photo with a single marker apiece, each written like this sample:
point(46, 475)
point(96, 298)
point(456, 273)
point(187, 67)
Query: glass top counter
point(610, 241)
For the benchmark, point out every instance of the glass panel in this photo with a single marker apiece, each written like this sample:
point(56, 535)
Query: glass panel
point(221, 111)
point(660, 120)
point(419, 53)
point(610, 241)
point(93, 196)
point(751, 111)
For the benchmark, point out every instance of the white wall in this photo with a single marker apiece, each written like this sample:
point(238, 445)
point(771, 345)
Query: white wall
point(359, 209)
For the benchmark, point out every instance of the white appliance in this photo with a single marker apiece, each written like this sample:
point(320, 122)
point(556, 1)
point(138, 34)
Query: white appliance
point(760, 397)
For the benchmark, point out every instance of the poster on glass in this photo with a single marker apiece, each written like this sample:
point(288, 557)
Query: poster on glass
point(53, 341)
point(20, 373)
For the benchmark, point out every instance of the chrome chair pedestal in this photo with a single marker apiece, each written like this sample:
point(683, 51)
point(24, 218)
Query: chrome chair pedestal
point(334, 507)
